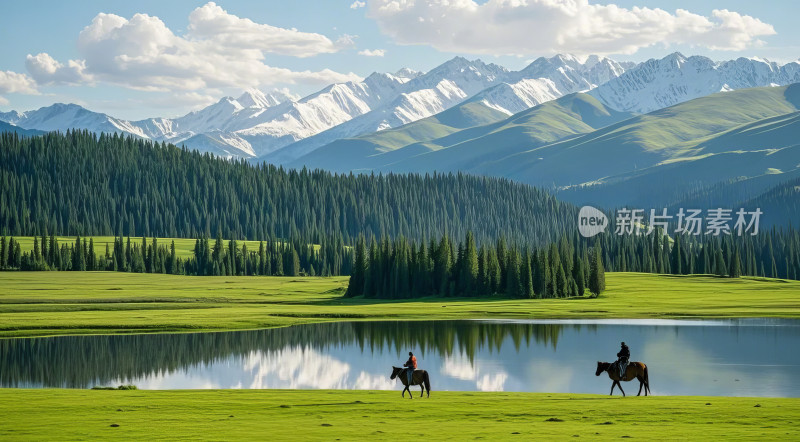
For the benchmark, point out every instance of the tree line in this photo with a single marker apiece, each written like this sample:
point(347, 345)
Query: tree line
point(289, 258)
point(403, 268)
point(80, 183)
point(773, 253)
point(270, 259)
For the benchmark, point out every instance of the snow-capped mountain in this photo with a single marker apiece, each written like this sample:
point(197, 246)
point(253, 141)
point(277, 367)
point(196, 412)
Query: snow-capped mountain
point(280, 127)
point(656, 84)
point(256, 123)
point(60, 116)
point(425, 95)
point(546, 79)
point(459, 80)
point(221, 116)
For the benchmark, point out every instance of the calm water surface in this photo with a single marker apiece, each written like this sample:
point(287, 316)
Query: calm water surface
point(757, 357)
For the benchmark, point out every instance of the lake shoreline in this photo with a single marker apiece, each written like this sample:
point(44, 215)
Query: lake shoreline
point(39, 304)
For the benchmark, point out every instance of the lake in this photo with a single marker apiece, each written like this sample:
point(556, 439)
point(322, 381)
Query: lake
point(750, 357)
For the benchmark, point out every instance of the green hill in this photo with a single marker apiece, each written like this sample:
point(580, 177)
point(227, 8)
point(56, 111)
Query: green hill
point(779, 203)
point(358, 153)
point(668, 135)
point(7, 127)
point(591, 154)
point(453, 140)
point(721, 169)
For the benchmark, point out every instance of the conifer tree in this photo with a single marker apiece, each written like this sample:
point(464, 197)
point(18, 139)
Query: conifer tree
point(513, 286)
point(526, 276)
point(470, 266)
point(357, 277)
point(735, 267)
point(597, 277)
point(3, 253)
point(720, 268)
point(579, 278)
point(676, 256)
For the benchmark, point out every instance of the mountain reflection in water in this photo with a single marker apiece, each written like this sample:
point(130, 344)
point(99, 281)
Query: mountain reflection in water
point(740, 359)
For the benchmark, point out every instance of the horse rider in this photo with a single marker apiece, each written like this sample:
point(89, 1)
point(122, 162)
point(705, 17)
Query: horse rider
point(623, 356)
point(412, 365)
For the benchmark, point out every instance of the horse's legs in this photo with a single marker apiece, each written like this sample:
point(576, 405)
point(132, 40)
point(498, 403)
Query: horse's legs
point(613, 384)
point(404, 392)
point(620, 388)
point(421, 390)
point(641, 384)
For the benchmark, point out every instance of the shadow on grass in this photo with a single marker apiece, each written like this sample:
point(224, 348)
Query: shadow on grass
point(443, 301)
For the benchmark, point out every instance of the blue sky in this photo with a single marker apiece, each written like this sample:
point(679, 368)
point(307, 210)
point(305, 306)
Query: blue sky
point(187, 54)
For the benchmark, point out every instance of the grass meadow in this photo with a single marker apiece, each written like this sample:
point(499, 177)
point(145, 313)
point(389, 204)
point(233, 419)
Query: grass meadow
point(384, 415)
point(59, 303)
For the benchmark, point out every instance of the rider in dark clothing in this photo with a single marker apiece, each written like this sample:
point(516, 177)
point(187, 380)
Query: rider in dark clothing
point(623, 356)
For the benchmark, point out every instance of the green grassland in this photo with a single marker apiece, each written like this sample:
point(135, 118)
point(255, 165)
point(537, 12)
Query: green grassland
point(58, 303)
point(349, 415)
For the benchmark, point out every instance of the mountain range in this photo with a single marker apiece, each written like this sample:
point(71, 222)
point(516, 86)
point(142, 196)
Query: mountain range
point(593, 130)
point(280, 128)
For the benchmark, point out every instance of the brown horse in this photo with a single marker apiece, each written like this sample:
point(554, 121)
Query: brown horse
point(420, 377)
point(635, 370)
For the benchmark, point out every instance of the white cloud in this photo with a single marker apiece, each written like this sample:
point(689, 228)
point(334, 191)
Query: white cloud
point(461, 367)
point(3, 101)
point(366, 381)
point(12, 82)
point(517, 27)
point(46, 70)
point(191, 100)
point(213, 24)
point(219, 50)
point(357, 4)
point(495, 382)
point(372, 52)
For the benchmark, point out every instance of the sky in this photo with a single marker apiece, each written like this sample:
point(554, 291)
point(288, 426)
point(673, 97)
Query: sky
point(149, 58)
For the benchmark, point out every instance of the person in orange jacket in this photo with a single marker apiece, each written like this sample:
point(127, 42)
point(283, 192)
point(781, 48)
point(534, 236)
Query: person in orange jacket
point(412, 365)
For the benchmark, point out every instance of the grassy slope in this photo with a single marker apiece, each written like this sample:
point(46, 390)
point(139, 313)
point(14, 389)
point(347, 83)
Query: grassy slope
point(765, 152)
point(645, 140)
point(360, 151)
point(463, 116)
point(551, 121)
point(53, 303)
point(462, 136)
point(289, 415)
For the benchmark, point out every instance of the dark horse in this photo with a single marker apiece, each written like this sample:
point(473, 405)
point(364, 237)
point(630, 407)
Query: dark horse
point(635, 370)
point(420, 377)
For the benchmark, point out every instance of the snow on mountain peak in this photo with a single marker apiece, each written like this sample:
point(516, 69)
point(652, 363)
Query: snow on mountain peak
point(253, 98)
point(284, 126)
point(407, 73)
point(656, 84)
point(257, 98)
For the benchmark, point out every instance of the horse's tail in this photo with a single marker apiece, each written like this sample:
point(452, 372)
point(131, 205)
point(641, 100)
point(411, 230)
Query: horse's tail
point(646, 379)
point(427, 380)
